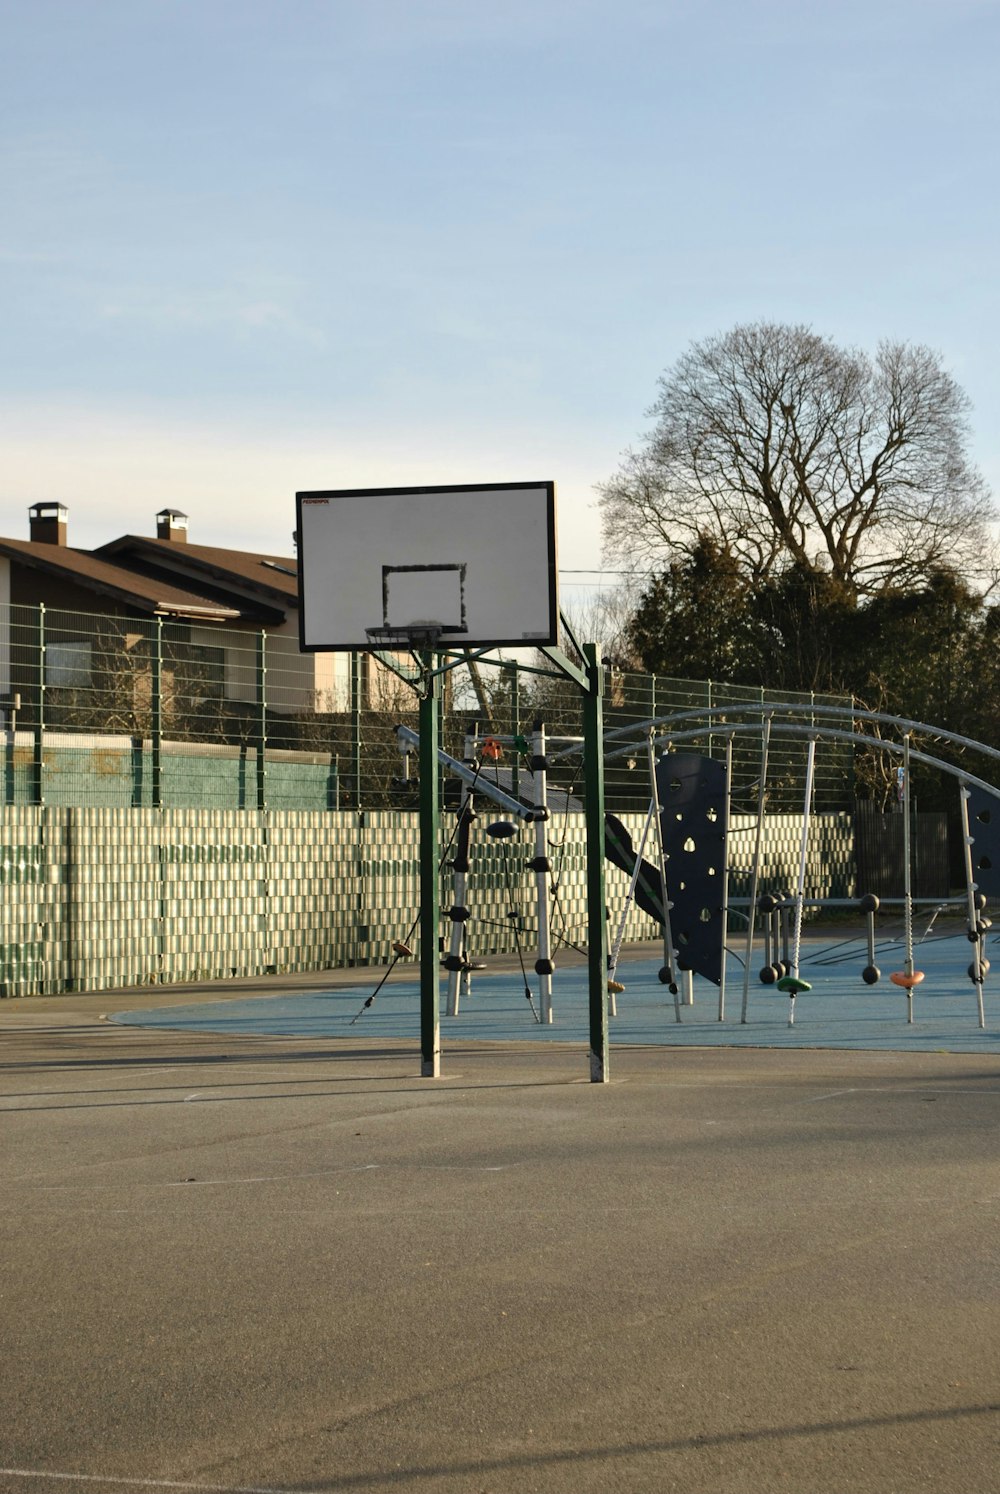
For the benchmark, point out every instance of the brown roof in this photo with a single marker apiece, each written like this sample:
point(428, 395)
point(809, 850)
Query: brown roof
point(274, 578)
point(146, 593)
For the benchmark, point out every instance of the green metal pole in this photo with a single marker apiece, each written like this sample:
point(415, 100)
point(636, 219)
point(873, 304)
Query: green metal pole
point(356, 728)
point(156, 726)
point(515, 726)
point(261, 719)
point(11, 749)
point(430, 882)
point(597, 927)
point(38, 756)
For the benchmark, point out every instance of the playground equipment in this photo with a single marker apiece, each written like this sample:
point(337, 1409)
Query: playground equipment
point(869, 905)
point(432, 574)
point(782, 950)
point(682, 848)
point(791, 983)
point(908, 977)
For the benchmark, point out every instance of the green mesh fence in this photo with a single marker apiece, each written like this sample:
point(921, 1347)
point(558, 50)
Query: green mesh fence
point(184, 801)
point(117, 712)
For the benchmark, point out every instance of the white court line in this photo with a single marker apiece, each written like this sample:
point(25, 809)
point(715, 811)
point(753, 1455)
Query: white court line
point(892, 1089)
point(326, 1172)
point(140, 1483)
point(276, 1177)
point(830, 1095)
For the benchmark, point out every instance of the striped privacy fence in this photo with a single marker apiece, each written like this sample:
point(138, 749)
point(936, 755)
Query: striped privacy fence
point(98, 898)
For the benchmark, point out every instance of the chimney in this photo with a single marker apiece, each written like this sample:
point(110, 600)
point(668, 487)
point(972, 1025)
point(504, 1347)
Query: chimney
point(47, 523)
point(172, 525)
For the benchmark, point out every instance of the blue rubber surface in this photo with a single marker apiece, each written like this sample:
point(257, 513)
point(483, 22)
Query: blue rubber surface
point(838, 1012)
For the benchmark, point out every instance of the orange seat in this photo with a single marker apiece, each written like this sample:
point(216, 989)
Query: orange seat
point(900, 978)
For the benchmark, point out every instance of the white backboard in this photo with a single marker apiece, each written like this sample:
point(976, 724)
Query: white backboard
point(446, 567)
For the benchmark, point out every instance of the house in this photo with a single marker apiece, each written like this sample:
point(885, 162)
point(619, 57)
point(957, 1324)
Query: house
point(225, 616)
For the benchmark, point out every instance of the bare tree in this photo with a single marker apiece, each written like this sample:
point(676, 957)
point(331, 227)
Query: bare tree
point(605, 617)
point(788, 449)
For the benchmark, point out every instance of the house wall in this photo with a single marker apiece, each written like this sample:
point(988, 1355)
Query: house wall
point(305, 682)
point(296, 682)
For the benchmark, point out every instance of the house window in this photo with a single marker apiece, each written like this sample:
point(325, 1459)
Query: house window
point(68, 665)
point(199, 672)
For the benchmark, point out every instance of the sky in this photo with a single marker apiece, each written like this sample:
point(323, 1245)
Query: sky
point(249, 248)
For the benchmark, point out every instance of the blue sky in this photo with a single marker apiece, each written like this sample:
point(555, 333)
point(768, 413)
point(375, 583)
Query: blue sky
point(247, 248)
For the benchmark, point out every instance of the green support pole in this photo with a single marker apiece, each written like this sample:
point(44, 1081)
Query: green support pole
point(515, 727)
point(430, 881)
point(597, 927)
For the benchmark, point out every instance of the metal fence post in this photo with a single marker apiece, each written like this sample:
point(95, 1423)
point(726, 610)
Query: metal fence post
point(261, 719)
point(37, 756)
point(515, 726)
point(156, 715)
point(10, 754)
point(356, 728)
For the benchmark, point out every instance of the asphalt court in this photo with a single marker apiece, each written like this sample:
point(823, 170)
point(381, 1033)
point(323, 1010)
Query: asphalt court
point(243, 1261)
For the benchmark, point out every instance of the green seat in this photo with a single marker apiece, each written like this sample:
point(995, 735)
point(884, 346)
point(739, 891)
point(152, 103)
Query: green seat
point(792, 985)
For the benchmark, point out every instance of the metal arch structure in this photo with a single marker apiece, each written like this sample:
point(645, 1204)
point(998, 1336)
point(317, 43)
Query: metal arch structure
point(625, 741)
point(725, 714)
point(597, 747)
point(824, 733)
point(979, 798)
point(980, 793)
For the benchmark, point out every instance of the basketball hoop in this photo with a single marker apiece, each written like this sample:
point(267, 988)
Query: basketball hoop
point(422, 568)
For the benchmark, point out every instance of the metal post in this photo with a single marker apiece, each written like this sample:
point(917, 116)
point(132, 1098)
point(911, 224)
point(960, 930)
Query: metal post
point(907, 878)
point(430, 890)
point(156, 723)
point(356, 728)
point(443, 692)
point(37, 755)
point(800, 886)
point(460, 887)
point(725, 877)
point(669, 963)
point(619, 939)
point(515, 727)
point(137, 767)
point(11, 748)
point(597, 928)
point(971, 888)
point(541, 866)
point(261, 719)
point(755, 873)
